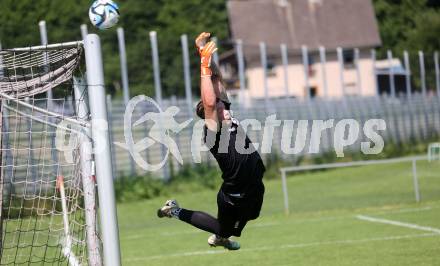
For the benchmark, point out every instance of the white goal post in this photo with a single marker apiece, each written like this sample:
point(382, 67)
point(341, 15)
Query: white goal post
point(48, 193)
point(100, 135)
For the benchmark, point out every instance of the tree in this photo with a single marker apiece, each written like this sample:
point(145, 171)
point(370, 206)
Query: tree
point(395, 18)
point(410, 25)
point(403, 24)
point(170, 18)
point(424, 37)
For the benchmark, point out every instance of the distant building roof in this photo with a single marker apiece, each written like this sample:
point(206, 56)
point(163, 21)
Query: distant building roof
point(330, 23)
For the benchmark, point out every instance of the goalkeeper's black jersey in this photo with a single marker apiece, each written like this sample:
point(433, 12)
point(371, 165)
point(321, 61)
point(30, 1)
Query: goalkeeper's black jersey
point(241, 171)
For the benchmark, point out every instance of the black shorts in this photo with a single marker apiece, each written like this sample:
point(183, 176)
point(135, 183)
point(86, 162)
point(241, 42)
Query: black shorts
point(234, 213)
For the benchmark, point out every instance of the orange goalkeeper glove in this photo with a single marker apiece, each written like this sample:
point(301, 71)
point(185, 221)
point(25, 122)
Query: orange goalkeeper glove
point(206, 50)
point(205, 58)
point(201, 40)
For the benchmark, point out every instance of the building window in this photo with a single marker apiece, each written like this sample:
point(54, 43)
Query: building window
point(311, 60)
point(313, 92)
point(271, 71)
point(348, 57)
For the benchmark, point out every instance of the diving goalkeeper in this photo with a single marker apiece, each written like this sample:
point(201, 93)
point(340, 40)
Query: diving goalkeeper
point(241, 194)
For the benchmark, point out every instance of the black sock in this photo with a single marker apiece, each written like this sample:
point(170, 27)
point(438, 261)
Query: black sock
point(200, 220)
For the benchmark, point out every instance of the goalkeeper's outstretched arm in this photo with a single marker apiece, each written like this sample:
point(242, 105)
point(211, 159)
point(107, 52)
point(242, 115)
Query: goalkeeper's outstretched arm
point(207, 91)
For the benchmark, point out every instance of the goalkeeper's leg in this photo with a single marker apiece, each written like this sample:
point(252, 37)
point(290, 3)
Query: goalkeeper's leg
point(205, 222)
point(202, 221)
point(197, 219)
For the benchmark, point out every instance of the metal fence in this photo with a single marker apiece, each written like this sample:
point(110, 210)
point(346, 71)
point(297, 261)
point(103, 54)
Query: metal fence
point(409, 116)
point(412, 116)
point(407, 119)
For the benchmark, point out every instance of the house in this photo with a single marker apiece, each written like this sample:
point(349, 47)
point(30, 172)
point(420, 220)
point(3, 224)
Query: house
point(305, 27)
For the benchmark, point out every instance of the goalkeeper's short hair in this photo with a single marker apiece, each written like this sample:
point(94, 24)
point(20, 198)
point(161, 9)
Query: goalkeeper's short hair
point(200, 110)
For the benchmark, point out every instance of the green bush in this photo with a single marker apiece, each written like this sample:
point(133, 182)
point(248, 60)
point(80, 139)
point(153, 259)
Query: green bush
point(137, 187)
point(188, 179)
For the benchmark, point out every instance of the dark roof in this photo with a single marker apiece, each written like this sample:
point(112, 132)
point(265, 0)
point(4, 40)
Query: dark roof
point(330, 23)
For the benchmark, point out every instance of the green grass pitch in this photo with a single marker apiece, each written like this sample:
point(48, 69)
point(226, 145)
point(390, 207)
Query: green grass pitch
point(323, 227)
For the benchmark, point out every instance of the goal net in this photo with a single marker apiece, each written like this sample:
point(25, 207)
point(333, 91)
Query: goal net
point(47, 190)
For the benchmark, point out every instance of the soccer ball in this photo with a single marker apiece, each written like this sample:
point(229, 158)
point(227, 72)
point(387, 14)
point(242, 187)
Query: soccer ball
point(104, 14)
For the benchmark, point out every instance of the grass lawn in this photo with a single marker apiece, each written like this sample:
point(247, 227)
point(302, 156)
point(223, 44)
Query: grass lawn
point(352, 216)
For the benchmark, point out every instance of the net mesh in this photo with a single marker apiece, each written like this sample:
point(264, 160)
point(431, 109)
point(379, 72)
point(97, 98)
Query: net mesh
point(33, 229)
point(27, 73)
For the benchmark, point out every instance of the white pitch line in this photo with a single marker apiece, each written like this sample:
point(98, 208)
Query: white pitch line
point(427, 208)
point(270, 224)
point(397, 223)
point(330, 218)
point(289, 246)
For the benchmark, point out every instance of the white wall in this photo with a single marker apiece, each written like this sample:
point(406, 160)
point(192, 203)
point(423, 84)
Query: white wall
point(255, 84)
